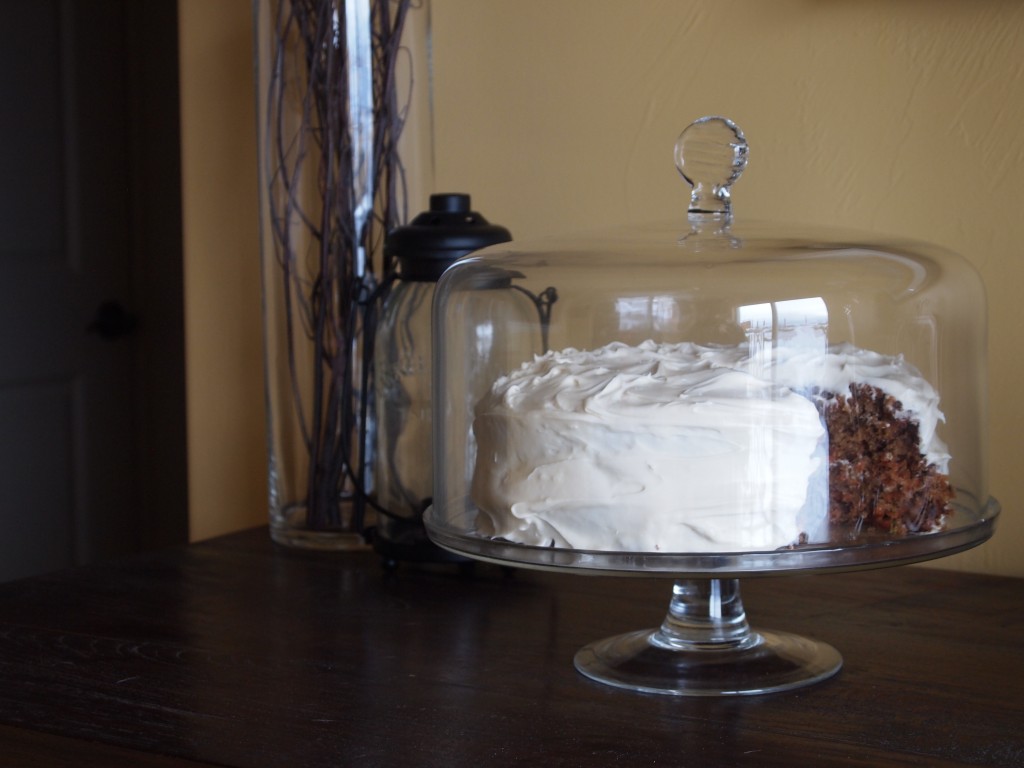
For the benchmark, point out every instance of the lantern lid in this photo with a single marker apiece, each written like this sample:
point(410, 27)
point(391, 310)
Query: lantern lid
point(434, 239)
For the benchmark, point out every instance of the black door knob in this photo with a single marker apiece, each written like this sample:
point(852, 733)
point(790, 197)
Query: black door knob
point(112, 321)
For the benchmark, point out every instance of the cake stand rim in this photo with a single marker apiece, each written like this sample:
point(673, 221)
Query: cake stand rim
point(819, 559)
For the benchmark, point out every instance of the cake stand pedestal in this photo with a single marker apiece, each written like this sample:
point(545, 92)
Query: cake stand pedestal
point(706, 647)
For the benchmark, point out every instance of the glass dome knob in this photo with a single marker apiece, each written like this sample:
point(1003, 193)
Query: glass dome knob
point(711, 153)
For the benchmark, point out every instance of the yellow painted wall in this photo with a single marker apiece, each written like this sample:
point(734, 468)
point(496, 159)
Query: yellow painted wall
point(901, 116)
point(224, 373)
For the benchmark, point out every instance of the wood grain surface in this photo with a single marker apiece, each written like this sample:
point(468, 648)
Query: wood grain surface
point(237, 652)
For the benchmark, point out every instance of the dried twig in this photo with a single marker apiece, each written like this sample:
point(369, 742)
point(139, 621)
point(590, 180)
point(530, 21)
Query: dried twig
point(330, 260)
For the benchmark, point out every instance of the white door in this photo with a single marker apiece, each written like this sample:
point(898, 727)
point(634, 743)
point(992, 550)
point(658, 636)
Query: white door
point(69, 338)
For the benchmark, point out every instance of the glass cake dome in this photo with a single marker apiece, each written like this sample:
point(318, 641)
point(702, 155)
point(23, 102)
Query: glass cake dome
point(710, 398)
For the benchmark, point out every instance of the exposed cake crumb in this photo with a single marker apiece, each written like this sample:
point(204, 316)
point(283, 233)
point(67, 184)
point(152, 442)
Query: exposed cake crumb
point(878, 478)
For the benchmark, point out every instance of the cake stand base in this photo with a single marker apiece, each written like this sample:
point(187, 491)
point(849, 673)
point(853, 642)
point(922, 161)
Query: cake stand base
point(705, 647)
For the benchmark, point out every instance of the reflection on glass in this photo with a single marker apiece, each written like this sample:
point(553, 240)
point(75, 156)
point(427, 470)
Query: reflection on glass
point(658, 313)
point(799, 323)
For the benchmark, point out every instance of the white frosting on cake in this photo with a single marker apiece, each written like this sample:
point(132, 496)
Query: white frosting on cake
point(669, 448)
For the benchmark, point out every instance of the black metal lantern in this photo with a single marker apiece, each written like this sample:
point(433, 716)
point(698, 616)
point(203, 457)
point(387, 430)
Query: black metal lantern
point(403, 468)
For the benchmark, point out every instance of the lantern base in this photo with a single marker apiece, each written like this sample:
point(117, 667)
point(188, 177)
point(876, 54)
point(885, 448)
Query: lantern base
point(398, 540)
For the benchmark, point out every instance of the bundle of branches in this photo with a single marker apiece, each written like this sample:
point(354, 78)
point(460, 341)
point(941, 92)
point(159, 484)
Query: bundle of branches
point(333, 122)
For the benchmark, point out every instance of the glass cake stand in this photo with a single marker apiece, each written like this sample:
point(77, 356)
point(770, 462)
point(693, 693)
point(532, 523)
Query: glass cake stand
point(705, 646)
point(716, 282)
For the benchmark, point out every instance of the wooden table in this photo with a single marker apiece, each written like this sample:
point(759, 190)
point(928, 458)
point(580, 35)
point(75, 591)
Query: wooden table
point(236, 652)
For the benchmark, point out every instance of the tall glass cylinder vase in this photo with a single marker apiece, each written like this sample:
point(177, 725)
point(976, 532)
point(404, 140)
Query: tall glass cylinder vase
point(330, 114)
